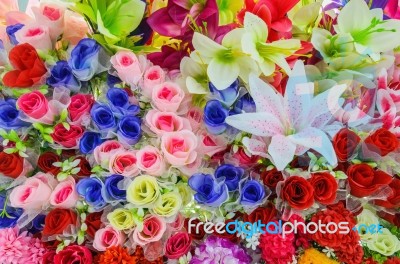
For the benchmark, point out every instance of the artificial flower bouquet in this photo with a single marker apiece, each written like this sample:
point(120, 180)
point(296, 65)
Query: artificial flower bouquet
point(212, 131)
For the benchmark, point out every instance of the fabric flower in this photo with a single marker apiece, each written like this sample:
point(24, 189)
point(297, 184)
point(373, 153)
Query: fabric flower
point(209, 191)
point(220, 250)
point(18, 247)
point(62, 76)
point(90, 190)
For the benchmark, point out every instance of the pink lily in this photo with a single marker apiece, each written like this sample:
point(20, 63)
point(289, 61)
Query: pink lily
point(290, 122)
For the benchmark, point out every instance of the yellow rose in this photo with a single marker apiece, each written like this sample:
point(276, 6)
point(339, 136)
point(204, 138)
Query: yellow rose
point(186, 193)
point(384, 243)
point(121, 219)
point(143, 191)
point(168, 205)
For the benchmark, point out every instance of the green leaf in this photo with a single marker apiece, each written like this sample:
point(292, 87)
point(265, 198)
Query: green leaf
point(64, 115)
point(66, 126)
point(48, 139)
point(48, 130)
point(10, 150)
point(85, 10)
point(39, 127)
point(23, 154)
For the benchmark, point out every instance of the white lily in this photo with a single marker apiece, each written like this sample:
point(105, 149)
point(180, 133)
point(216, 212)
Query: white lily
point(195, 75)
point(266, 54)
point(293, 123)
point(226, 61)
point(371, 34)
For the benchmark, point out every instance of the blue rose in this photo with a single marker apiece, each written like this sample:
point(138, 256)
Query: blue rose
point(89, 141)
point(209, 191)
point(103, 116)
point(120, 104)
point(86, 60)
point(90, 190)
point(112, 80)
point(227, 96)
point(62, 76)
point(37, 224)
point(8, 215)
point(111, 191)
point(214, 117)
point(9, 115)
point(11, 30)
point(129, 130)
point(244, 104)
point(231, 174)
point(251, 193)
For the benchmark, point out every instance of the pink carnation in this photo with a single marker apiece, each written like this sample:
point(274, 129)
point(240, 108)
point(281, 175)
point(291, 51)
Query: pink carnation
point(19, 248)
point(277, 250)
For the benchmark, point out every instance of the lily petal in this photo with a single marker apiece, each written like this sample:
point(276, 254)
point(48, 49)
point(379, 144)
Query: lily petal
point(266, 98)
point(258, 124)
point(205, 46)
point(282, 151)
point(317, 140)
point(221, 74)
point(257, 27)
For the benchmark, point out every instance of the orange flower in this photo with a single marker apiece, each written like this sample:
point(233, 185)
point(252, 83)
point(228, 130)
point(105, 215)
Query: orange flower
point(116, 255)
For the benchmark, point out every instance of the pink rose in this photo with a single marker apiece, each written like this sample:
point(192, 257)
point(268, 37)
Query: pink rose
point(75, 27)
point(108, 237)
point(150, 160)
point(161, 122)
point(80, 106)
point(211, 144)
point(128, 66)
point(36, 106)
point(193, 167)
point(167, 96)
point(179, 147)
point(124, 163)
point(152, 77)
point(36, 35)
point(153, 229)
point(33, 194)
point(177, 224)
point(64, 195)
point(52, 16)
point(105, 151)
point(195, 117)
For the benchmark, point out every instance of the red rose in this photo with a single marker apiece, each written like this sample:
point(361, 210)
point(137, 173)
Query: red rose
point(84, 165)
point(245, 160)
point(298, 193)
point(67, 137)
point(194, 232)
point(28, 68)
point(48, 257)
point(393, 260)
point(178, 245)
point(74, 255)
point(264, 214)
point(58, 220)
point(46, 160)
point(382, 141)
point(271, 178)
point(393, 201)
point(370, 260)
point(79, 106)
point(336, 239)
point(325, 187)
point(394, 219)
point(365, 181)
point(345, 143)
point(232, 237)
point(93, 222)
point(11, 165)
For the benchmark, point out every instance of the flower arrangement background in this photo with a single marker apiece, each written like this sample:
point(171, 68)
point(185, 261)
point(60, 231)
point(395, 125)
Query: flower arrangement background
point(121, 121)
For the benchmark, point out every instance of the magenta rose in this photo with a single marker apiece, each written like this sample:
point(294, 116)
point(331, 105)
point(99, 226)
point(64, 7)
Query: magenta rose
point(153, 229)
point(161, 122)
point(67, 137)
point(36, 106)
point(150, 160)
point(124, 163)
point(74, 255)
point(80, 106)
point(178, 245)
